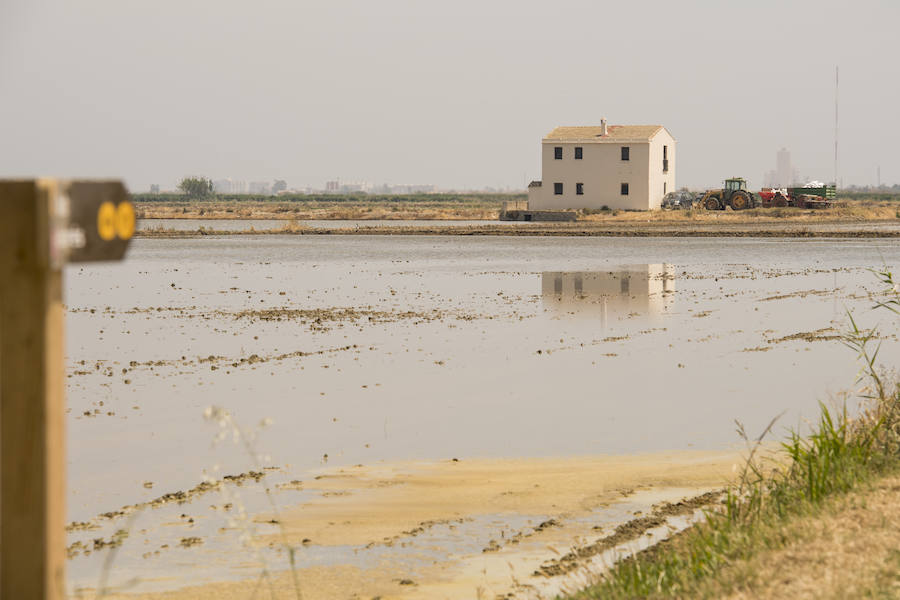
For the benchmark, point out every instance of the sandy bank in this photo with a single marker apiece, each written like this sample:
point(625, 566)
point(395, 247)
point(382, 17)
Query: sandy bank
point(540, 507)
point(366, 505)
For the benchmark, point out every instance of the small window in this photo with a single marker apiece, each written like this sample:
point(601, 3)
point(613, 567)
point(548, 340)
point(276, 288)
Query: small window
point(557, 152)
point(664, 188)
point(665, 153)
point(626, 153)
point(578, 150)
point(579, 189)
point(624, 189)
point(557, 189)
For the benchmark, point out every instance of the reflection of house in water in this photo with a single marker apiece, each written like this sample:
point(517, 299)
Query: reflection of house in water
point(642, 289)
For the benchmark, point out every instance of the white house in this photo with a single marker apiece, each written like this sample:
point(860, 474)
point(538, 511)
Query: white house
point(617, 166)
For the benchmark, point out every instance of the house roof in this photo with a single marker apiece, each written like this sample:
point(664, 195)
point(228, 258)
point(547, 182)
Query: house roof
point(614, 133)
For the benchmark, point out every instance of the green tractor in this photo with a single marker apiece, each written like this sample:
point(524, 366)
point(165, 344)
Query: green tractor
point(734, 194)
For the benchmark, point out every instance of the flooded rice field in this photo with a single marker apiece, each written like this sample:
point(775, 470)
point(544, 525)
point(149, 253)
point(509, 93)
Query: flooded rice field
point(528, 380)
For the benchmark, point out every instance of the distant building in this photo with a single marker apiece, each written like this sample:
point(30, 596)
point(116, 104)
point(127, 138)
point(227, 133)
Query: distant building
point(617, 166)
point(348, 187)
point(784, 174)
point(260, 187)
point(229, 186)
point(412, 188)
point(355, 187)
point(154, 189)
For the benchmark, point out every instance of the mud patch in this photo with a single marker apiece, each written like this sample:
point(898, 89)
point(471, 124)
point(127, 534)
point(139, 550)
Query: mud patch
point(179, 497)
point(802, 294)
point(819, 335)
point(627, 532)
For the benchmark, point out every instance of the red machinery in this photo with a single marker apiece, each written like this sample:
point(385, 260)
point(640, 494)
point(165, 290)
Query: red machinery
point(799, 197)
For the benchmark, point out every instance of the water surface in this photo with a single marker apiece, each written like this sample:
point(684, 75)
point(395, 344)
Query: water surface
point(454, 347)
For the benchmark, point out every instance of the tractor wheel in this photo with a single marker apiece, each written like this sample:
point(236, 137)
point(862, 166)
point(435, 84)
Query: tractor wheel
point(712, 203)
point(741, 201)
point(779, 201)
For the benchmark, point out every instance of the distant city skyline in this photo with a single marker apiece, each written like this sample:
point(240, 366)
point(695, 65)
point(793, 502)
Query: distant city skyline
point(228, 185)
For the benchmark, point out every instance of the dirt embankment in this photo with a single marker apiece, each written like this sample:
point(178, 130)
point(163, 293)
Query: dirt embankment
point(829, 229)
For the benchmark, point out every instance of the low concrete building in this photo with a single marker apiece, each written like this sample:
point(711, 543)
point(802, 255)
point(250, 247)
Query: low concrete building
point(627, 167)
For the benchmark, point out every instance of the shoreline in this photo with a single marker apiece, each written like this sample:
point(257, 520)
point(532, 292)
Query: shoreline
point(823, 230)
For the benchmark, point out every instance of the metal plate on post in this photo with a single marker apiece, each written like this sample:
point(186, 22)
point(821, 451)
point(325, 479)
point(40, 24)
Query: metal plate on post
point(104, 215)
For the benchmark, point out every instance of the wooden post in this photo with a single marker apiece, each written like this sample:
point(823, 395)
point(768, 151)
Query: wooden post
point(32, 371)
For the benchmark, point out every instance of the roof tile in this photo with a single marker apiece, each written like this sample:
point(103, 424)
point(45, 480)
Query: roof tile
point(613, 133)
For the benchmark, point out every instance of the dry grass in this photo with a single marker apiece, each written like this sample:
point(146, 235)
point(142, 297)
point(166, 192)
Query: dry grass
point(850, 550)
point(271, 210)
point(843, 211)
point(425, 207)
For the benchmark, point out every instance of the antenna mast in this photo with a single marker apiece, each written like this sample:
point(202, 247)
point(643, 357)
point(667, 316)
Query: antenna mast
point(835, 126)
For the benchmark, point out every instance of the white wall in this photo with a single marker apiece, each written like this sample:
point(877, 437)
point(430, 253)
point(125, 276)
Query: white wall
point(601, 171)
point(661, 183)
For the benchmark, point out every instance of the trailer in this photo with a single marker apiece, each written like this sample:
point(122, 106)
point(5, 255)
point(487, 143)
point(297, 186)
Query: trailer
point(807, 196)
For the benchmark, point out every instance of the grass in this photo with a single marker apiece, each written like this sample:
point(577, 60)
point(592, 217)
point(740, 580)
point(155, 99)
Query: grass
point(760, 513)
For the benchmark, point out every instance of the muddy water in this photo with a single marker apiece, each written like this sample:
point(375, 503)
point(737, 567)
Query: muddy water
point(366, 349)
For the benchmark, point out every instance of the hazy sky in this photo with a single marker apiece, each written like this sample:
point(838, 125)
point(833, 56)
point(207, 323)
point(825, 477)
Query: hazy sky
point(456, 93)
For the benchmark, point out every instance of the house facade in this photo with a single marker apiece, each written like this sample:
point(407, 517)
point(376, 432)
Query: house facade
point(628, 167)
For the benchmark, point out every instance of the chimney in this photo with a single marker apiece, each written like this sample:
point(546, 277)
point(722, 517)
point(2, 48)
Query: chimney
point(603, 130)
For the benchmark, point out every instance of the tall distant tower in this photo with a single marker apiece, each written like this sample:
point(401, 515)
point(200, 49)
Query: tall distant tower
point(784, 172)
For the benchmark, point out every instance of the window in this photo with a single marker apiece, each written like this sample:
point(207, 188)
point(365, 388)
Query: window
point(578, 151)
point(626, 153)
point(557, 152)
point(624, 189)
point(579, 189)
point(665, 153)
point(557, 189)
point(664, 188)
